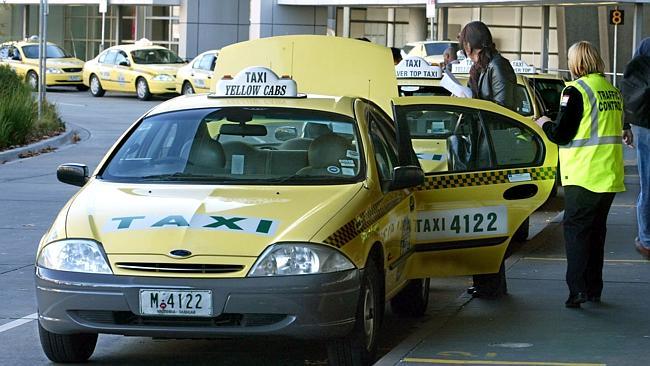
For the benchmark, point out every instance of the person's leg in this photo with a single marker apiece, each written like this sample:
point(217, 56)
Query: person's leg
point(642, 140)
point(594, 270)
point(579, 215)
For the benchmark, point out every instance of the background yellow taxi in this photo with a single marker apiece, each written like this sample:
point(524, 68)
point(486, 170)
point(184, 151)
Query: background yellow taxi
point(62, 68)
point(432, 51)
point(141, 68)
point(196, 77)
point(417, 77)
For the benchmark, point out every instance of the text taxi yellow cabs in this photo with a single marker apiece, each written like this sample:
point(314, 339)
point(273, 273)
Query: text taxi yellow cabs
point(261, 211)
point(416, 77)
point(62, 68)
point(196, 77)
point(141, 68)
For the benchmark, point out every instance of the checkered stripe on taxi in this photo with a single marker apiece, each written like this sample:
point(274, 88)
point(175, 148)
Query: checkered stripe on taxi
point(362, 222)
point(483, 178)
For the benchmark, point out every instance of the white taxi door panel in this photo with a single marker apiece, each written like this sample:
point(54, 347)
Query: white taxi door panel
point(486, 170)
point(120, 74)
point(105, 71)
point(202, 74)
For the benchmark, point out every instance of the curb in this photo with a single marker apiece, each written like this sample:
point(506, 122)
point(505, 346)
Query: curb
point(53, 142)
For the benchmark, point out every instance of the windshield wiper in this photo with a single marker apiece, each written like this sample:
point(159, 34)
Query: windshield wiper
point(179, 176)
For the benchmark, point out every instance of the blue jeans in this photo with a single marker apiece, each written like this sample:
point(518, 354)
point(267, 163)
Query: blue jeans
point(642, 140)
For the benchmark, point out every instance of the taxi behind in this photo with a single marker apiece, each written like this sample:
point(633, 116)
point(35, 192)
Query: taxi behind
point(432, 51)
point(416, 77)
point(141, 68)
point(62, 69)
point(196, 77)
point(260, 211)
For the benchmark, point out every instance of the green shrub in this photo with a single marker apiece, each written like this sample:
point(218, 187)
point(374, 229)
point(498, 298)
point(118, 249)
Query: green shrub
point(19, 123)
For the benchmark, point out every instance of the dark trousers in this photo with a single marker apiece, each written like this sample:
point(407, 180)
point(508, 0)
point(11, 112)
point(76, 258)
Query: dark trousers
point(585, 227)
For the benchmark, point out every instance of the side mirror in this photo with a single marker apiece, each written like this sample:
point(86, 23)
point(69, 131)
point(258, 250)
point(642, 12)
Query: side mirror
point(406, 177)
point(16, 57)
point(124, 63)
point(72, 173)
point(286, 133)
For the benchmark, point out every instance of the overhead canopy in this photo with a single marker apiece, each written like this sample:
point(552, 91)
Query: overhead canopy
point(322, 65)
point(460, 3)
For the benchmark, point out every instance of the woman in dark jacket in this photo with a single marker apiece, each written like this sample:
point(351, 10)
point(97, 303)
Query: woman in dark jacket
point(490, 78)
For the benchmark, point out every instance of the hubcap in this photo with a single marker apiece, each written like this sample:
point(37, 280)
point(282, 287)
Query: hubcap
point(94, 85)
point(369, 316)
point(188, 89)
point(33, 81)
point(142, 89)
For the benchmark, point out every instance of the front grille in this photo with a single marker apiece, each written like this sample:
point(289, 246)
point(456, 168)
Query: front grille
point(180, 267)
point(71, 69)
point(223, 320)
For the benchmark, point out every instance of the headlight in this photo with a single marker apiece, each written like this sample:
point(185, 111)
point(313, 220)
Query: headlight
point(74, 255)
point(52, 70)
point(289, 259)
point(163, 77)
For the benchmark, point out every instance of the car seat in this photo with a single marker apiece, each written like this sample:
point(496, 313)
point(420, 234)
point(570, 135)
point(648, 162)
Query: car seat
point(324, 156)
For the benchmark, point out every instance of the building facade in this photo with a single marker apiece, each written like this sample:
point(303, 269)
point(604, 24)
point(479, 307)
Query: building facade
point(192, 26)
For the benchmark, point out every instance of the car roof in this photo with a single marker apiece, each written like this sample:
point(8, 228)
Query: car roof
point(133, 47)
point(340, 105)
point(427, 42)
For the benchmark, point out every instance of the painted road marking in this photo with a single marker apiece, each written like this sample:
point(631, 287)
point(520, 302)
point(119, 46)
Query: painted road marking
point(486, 362)
point(71, 104)
point(606, 260)
point(18, 322)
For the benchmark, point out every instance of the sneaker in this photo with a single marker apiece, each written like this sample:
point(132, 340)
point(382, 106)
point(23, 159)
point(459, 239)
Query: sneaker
point(645, 252)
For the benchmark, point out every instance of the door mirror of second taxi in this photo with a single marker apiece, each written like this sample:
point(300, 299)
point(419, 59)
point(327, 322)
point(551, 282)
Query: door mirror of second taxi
point(72, 173)
point(406, 177)
point(124, 63)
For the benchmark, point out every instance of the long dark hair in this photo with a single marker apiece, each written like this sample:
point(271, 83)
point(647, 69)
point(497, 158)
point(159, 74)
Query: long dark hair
point(477, 35)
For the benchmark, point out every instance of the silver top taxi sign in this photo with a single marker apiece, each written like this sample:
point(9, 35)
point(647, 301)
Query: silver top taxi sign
point(257, 81)
point(520, 67)
point(414, 67)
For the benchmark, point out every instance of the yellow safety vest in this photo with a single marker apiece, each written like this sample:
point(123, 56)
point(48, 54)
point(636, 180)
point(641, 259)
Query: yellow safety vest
point(594, 158)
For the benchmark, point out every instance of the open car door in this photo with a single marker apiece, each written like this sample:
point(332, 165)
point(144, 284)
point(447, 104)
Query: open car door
point(487, 170)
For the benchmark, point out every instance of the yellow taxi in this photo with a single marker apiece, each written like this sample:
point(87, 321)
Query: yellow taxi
point(417, 77)
point(432, 51)
point(287, 203)
point(196, 77)
point(141, 68)
point(549, 87)
point(62, 68)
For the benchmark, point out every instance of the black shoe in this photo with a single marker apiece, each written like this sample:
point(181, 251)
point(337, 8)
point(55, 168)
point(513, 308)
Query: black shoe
point(593, 298)
point(574, 301)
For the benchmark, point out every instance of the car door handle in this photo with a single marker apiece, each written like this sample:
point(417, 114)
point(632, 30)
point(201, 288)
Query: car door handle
point(520, 192)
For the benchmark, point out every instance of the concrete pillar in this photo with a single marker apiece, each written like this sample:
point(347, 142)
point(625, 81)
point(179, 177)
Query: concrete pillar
point(417, 27)
point(476, 13)
point(390, 28)
point(331, 20)
point(346, 22)
point(603, 36)
point(25, 30)
point(637, 32)
point(545, 24)
point(561, 37)
point(443, 24)
point(519, 20)
point(117, 10)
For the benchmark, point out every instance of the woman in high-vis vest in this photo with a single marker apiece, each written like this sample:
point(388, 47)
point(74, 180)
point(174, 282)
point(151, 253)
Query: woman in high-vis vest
point(589, 133)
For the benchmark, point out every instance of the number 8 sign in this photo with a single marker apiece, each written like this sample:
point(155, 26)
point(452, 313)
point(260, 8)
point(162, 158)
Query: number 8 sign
point(616, 17)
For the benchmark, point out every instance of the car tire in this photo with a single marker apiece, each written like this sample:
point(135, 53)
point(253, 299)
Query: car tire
point(67, 348)
point(32, 80)
point(187, 88)
point(522, 232)
point(359, 347)
point(82, 88)
point(142, 89)
point(96, 86)
point(413, 299)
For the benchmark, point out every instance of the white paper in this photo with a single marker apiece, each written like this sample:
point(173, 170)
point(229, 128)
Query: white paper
point(450, 83)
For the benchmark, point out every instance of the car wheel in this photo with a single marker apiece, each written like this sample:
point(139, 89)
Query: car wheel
point(67, 348)
point(187, 88)
point(32, 80)
point(522, 233)
point(96, 87)
point(142, 88)
point(82, 87)
point(359, 347)
point(413, 299)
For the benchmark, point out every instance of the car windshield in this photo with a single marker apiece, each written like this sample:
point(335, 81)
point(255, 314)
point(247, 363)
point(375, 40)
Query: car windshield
point(52, 51)
point(437, 48)
point(422, 91)
point(155, 56)
point(236, 145)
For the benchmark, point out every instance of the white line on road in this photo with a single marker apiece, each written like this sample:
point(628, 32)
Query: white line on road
point(18, 322)
point(71, 104)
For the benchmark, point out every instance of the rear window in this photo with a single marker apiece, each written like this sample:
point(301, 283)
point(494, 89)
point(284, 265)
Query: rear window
point(240, 146)
point(438, 48)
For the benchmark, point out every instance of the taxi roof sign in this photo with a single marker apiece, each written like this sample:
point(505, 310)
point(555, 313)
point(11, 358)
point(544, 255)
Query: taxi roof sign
point(414, 67)
point(462, 67)
point(143, 42)
point(317, 64)
point(257, 81)
point(521, 67)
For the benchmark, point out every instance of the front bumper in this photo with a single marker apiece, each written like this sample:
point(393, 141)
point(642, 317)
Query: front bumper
point(66, 78)
point(161, 87)
point(308, 306)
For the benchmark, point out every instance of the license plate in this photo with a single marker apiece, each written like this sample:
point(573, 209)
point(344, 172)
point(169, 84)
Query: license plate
point(74, 78)
point(176, 302)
